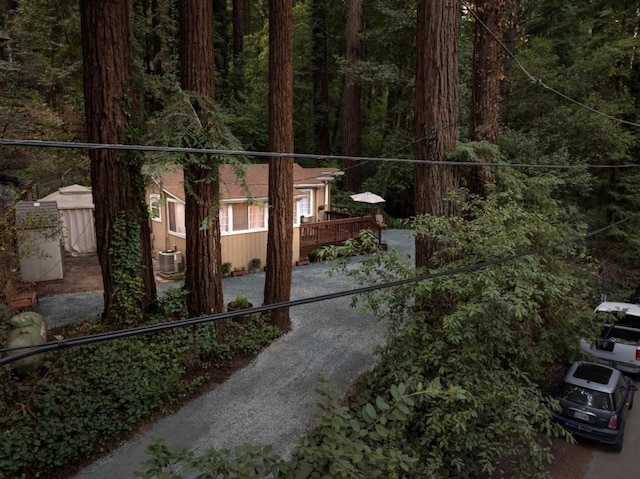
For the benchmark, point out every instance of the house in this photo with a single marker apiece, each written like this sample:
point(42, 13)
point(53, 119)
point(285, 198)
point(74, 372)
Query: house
point(243, 211)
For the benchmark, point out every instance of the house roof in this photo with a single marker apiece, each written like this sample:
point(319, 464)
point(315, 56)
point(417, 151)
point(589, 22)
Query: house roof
point(256, 178)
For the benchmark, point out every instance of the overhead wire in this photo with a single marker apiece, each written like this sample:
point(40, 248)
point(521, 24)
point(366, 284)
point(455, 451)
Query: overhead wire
point(271, 154)
point(537, 81)
point(148, 329)
point(193, 321)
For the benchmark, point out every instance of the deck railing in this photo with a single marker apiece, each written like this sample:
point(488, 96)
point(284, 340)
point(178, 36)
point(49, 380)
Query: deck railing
point(326, 233)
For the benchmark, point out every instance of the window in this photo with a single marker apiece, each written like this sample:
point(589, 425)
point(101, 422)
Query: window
point(245, 216)
point(155, 207)
point(175, 211)
point(256, 216)
point(223, 218)
point(305, 208)
point(240, 214)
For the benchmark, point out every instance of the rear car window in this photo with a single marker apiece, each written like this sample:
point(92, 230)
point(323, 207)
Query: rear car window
point(621, 319)
point(585, 397)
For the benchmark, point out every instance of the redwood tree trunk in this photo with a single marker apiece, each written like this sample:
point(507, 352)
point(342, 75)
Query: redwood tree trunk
point(352, 98)
point(487, 73)
point(320, 79)
point(203, 276)
point(280, 237)
point(238, 27)
point(436, 113)
point(116, 179)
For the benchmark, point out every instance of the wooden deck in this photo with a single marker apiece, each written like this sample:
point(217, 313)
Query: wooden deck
point(335, 232)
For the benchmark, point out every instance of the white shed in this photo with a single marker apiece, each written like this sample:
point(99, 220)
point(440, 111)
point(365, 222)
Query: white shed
point(40, 245)
point(75, 204)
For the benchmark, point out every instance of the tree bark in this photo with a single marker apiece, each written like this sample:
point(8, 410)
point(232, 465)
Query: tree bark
point(203, 276)
point(116, 179)
point(486, 78)
point(320, 78)
point(436, 113)
point(221, 40)
point(238, 27)
point(280, 236)
point(352, 98)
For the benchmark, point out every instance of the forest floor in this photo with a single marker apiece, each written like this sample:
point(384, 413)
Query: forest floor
point(81, 273)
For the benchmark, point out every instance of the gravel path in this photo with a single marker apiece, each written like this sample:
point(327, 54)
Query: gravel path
point(273, 400)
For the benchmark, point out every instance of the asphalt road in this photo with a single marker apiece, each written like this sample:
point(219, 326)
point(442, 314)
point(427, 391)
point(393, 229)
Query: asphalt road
point(273, 400)
point(625, 464)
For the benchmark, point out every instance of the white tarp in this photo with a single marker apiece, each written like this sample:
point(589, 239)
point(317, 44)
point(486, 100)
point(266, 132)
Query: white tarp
point(75, 205)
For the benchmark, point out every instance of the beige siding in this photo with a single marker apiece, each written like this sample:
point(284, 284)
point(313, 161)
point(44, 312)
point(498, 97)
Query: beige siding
point(240, 249)
point(237, 249)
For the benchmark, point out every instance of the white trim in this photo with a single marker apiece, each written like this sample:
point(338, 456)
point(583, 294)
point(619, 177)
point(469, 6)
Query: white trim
point(229, 209)
point(177, 219)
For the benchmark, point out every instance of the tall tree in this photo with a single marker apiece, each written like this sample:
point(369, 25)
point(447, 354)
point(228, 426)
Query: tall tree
point(486, 78)
point(320, 77)
point(122, 228)
point(436, 113)
point(237, 82)
point(280, 237)
point(221, 41)
point(238, 27)
point(352, 97)
point(203, 277)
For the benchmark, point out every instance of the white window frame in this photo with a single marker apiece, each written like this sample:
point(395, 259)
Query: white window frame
point(299, 207)
point(228, 206)
point(177, 233)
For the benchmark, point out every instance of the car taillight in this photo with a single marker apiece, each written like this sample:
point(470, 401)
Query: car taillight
point(637, 354)
point(613, 422)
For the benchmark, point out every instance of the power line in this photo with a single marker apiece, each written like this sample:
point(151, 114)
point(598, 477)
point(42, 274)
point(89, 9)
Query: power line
point(538, 81)
point(108, 336)
point(271, 154)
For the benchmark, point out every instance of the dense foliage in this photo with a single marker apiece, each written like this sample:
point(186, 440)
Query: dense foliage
point(460, 390)
point(87, 398)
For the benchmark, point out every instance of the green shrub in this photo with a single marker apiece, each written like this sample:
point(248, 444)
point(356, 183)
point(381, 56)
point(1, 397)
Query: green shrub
point(251, 337)
point(91, 396)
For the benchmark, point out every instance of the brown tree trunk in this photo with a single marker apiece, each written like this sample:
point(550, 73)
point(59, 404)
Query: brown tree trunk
point(436, 113)
point(280, 237)
point(156, 39)
point(487, 73)
point(221, 39)
point(116, 179)
point(238, 27)
point(203, 276)
point(352, 98)
point(320, 80)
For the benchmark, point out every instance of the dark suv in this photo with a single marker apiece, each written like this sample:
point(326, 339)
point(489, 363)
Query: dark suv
point(594, 401)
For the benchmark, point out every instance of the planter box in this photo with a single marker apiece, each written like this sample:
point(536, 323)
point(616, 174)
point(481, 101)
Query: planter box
point(241, 318)
point(241, 272)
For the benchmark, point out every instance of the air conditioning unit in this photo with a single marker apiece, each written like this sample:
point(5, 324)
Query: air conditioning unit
point(169, 262)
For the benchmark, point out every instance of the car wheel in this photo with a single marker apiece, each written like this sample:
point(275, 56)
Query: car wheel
point(617, 447)
point(631, 402)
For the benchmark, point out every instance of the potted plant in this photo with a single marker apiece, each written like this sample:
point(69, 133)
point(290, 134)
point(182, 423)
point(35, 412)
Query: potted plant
point(226, 269)
point(241, 302)
point(241, 271)
point(255, 264)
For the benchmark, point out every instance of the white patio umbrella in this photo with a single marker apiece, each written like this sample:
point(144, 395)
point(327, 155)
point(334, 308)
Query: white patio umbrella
point(368, 197)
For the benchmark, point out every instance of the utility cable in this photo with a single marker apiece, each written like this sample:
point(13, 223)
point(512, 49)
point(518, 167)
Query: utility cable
point(538, 81)
point(271, 154)
point(101, 337)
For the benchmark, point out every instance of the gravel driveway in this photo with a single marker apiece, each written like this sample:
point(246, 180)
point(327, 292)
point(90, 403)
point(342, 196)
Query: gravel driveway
point(273, 400)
